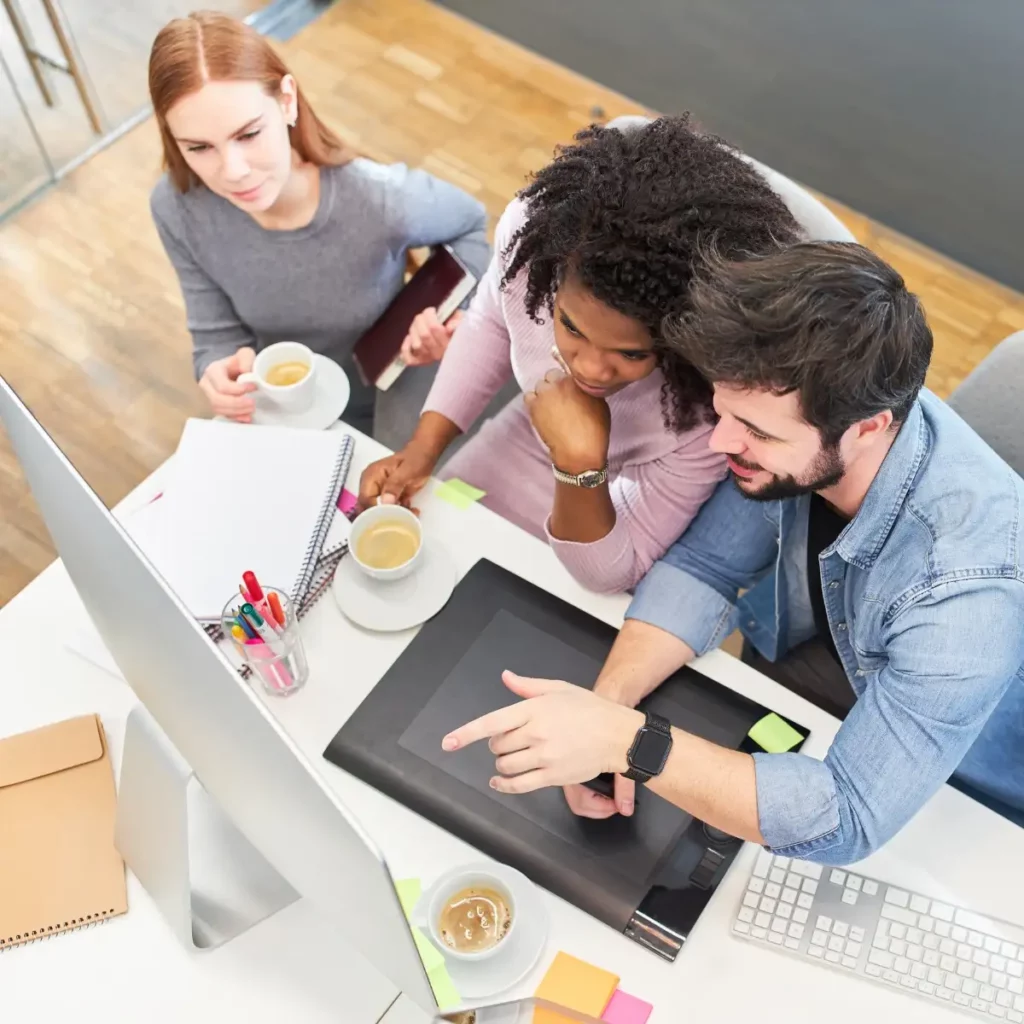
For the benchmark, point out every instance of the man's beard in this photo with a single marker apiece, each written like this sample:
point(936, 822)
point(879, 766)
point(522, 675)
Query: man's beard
point(827, 469)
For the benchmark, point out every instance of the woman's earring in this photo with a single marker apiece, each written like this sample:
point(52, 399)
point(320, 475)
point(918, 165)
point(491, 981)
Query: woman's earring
point(294, 121)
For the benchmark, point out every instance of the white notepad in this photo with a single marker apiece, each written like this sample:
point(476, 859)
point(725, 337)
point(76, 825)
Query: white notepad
point(241, 498)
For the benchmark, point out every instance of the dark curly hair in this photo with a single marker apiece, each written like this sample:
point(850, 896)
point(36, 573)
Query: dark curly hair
point(629, 211)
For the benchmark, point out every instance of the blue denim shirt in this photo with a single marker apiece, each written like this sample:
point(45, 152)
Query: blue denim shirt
point(924, 592)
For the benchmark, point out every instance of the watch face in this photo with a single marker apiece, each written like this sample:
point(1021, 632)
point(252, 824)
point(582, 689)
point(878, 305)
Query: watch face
point(591, 478)
point(650, 751)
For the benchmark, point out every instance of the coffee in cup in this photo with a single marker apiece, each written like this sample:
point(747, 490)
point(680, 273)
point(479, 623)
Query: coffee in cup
point(386, 541)
point(474, 919)
point(285, 374)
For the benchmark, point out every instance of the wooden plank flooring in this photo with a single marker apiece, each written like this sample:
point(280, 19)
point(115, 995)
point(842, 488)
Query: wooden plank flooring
point(92, 331)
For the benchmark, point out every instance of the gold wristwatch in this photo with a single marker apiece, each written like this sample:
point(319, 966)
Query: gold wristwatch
point(589, 478)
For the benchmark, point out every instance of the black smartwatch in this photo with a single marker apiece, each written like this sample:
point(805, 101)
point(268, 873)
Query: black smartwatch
point(650, 749)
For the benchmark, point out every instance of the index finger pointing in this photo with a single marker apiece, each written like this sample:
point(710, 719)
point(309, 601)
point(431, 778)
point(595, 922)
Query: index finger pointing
point(493, 724)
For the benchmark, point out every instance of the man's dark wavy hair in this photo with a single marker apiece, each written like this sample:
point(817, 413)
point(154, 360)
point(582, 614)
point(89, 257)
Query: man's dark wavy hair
point(628, 211)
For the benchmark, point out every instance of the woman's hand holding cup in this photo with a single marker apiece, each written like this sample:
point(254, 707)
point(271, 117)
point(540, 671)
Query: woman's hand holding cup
point(228, 397)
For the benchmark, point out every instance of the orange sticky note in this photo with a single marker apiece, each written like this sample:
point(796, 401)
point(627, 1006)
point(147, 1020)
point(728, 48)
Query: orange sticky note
point(576, 985)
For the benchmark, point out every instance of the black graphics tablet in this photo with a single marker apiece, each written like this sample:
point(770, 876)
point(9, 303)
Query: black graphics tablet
point(650, 875)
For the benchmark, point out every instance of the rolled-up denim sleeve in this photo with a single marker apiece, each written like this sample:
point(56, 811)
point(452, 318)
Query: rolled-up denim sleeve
point(691, 591)
point(948, 660)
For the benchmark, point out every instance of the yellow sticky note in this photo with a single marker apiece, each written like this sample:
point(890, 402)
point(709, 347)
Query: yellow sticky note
point(431, 956)
point(576, 985)
point(445, 992)
point(409, 891)
point(453, 496)
point(471, 492)
point(774, 735)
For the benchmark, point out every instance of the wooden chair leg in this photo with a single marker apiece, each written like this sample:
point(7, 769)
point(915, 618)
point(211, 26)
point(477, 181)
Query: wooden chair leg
point(22, 31)
point(72, 65)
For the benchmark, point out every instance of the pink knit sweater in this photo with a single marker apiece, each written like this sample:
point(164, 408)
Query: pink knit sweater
point(658, 479)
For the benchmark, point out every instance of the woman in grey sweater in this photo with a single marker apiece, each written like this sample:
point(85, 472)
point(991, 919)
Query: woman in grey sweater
point(277, 232)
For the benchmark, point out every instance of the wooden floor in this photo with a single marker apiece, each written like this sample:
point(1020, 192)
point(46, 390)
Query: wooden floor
point(92, 331)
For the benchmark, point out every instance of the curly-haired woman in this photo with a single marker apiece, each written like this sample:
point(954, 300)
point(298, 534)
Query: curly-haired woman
point(607, 457)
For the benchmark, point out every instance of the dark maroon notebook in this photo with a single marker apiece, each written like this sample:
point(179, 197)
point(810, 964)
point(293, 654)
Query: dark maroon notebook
point(443, 282)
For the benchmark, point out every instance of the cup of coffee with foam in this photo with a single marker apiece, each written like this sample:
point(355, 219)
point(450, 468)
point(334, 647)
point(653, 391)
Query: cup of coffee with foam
point(386, 542)
point(471, 914)
point(285, 374)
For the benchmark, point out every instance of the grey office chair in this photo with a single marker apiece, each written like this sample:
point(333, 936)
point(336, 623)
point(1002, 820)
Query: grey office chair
point(990, 400)
point(817, 220)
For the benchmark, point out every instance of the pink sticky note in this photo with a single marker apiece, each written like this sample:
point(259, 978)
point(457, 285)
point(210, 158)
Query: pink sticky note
point(626, 1009)
point(347, 502)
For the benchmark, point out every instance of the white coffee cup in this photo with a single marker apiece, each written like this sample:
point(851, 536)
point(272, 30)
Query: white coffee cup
point(453, 882)
point(297, 397)
point(386, 513)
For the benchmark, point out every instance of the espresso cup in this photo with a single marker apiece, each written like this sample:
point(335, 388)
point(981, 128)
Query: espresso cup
point(296, 397)
point(451, 886)
point(373, 519)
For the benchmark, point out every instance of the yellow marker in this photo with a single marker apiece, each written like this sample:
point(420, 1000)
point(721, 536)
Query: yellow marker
point(239, 634)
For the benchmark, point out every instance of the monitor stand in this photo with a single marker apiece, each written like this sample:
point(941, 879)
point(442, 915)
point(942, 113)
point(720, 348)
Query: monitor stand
point(209, 882)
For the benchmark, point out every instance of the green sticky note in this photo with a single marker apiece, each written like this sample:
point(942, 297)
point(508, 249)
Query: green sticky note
point(453, 496)
point(409, 891)
point(774, 735)
point(431, 956)
point(444, 988)
point(471, 492)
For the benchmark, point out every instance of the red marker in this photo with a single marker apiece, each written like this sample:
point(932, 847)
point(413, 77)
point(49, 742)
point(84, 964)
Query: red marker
point(253, 586)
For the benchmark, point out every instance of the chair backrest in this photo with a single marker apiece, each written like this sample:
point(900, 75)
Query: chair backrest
point(819, 223)
point(990, 400)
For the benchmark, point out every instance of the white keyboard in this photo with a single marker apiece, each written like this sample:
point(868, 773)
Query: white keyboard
point(946, 954)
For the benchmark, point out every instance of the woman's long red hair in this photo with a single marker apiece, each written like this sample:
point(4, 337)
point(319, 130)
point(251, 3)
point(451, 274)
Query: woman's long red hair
point(205, 47)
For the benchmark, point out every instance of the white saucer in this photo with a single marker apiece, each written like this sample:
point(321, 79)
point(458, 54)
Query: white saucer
point(483, 979)
point(332, 395)
point(397, 604)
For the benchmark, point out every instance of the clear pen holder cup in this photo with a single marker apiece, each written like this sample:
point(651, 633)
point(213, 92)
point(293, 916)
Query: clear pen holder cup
point(272, 650)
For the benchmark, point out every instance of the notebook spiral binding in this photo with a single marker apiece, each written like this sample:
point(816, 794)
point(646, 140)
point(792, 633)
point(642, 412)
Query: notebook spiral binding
point(50, 931)
point(316, 543)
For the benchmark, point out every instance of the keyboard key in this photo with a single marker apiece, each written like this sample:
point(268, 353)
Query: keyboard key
point(807, 869)
point(915, 953)
point(789, 895)
point(944, 993)
point(841, 928)
point(832, 958)
point(926, 924)
point(899, 947)
point(891, 913)
point(1018, 1003)
point(964, 952)
point(942, 928)
point(756, 885)
point(1014, 969)
point(775, 938)
point(965, 969)
point(849, 897)
point(947, 946)
point(779, 926)
point(919, 904)
point(936, 976)
point(998, 963)
point(784, 910)
point(746, 915)
point(927, 987)
point(777, 875)
point(805, 901)
point(751, 900)
point(1004, 999)
point(931, 957)
point(970, 987)
point(782, 862)
point(876, 956)
point(849, 961)
point(837, 877)
point(800, 915)
point(792, 944)
point(772, 890)
point(763, 864)
point(793, 880)
point(819, 938)
point(897, 897)
point(902, 965)
point(898, 931)
point(1016, 1017)
point(870, 887)
point(915, 935)
point(982, 974)
point(960, 934)
point(875, 972)
point(1009, 950)
point(988, 993)
point(981, 957)
point(963, 1000)
point(948, 963)
point(997, 1011)
point(767, 905)
point(796, 931)
point(918, 971)
point(891, 976)
point(881, 942)
point(854, 882)
point(852, 949)
point(908, 982)
point(835, 944)
point(857, 934)
point(743, 929)
point(931, 942)
point(942, 911)
point(824, 923)
point(762, 920)
point(817, 951)
point(954, 981)
point(1015, 985)
point(976, 939)
point(810, 886)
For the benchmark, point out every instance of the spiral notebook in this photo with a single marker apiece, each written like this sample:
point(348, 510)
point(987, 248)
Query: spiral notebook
point(239, 498)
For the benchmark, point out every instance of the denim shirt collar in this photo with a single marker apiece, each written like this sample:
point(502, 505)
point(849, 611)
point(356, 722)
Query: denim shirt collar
point(863, 539)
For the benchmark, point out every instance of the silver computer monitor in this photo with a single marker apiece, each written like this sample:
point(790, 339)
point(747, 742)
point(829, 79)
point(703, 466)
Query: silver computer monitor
point(240, 754)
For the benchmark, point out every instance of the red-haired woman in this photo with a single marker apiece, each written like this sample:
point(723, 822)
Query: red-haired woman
point(275, 229)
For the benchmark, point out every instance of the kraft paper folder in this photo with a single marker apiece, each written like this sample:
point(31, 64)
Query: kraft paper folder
point(59, 869)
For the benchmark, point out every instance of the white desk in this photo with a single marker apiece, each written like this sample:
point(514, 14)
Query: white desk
point(294, 967)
